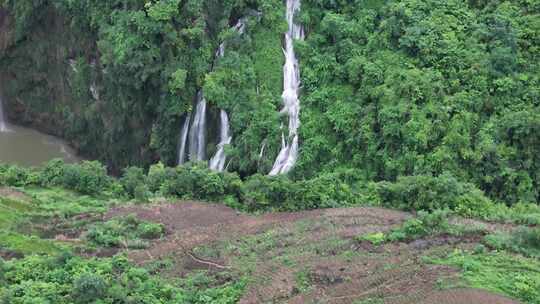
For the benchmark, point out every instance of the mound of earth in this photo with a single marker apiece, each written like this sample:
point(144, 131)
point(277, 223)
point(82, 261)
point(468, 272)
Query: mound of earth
point(305, 257)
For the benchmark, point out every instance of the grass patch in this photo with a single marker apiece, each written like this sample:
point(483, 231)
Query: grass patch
point(499, 272)
point(65, 203)
point(27, 244)
point(425, 224)
point(128, 232)
point(523, 240)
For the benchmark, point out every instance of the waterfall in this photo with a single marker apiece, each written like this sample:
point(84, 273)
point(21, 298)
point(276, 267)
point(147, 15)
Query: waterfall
point(197, 134)
point(183, 140)
point(291, 83)
point(218, 161)
point(197, 130)
point(3, 124)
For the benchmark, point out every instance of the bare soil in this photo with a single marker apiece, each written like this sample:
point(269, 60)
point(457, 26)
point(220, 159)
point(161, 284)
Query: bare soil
point(304, 257)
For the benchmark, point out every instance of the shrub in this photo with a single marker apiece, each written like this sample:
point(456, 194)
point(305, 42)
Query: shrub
point(89, 287)
point(149, 230)
point(262, 192)
point(157, 175)
point(132, 178)
point(127, 231)
point(41, 279)
point(53, 173)
point(196, 181)
point(281, 193)
point(424, 224)
point(89, 177)
point(16, 176)
point(430, 193)
point(523, 240)
point(376, 238)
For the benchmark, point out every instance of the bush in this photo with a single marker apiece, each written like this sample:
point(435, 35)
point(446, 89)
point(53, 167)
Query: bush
point(430, 193)
point(89, 177)
point(523, 240)
point(73, 279)
point(424, 224)
point(376, 238)
point(281, 193)
point(16, 176)
point(127, 231)
point(89, 287)
point(263, 192)
point(196, 181)
point(132, 179)
point(53, 173)
point(149, 230)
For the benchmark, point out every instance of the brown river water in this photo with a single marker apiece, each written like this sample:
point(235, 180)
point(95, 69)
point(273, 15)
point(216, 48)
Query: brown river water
point(28, 147)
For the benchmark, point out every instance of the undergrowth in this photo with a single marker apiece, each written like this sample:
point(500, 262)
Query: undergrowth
point(65, 278)
point(523, 240)
point(127, 232)
point(500, 272)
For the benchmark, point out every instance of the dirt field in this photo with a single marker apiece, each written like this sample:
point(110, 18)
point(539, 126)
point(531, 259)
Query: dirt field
point(306, 257)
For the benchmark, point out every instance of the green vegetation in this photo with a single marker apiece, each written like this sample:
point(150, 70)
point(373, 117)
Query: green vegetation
point(500, 272)
point(425, 106)
point(434, 103)
point(523, 240)
point(423, 89)
point(127, 232)
point(255, 193)
point(45, 270)
point(423, 225)
point(125, 73)
point(69, 279)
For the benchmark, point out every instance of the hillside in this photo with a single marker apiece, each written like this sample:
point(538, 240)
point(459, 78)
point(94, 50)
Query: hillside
point(388, 88)
point(70, 234)
point(269, 151)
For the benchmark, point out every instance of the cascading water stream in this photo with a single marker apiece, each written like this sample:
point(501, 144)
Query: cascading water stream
point(3, 124)
point(183, 139)
point(291, 83)
point(218, 161)
point(197, 130)
point(197, 134)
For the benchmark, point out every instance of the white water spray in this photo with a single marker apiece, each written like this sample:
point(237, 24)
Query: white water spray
point(3, 124)
point(197, 130)
point(197, 134)
point(217, 162)
point(183, 140)
point(291, 83)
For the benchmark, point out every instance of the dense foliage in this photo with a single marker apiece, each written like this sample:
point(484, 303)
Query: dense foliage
point(499, 272)
point(69, 279)
point(410, 87)
point(436, 102)
point(258, 192)
point(121, 75)
point(125, 232)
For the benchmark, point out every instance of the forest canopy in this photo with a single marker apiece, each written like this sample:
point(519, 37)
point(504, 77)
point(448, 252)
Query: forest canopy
point(392, 90)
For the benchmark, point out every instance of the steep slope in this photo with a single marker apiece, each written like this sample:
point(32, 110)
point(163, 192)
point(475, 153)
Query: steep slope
point(397, 89)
